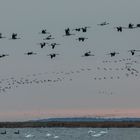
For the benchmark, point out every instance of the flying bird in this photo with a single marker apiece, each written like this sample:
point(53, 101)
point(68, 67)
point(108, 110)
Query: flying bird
point(87, 54)
point(67, 32)
point(30, 53)
point(133, 51)
point(53, 45)
point(2, 36)
point(49, 37)
point(84, 29)
point(112, 54)
point(81, 39)
point(44, 31)
point(14, 36)
point(103, 23)
point(52, 55)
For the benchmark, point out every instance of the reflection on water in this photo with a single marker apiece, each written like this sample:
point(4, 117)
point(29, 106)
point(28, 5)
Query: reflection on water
point(70, 133)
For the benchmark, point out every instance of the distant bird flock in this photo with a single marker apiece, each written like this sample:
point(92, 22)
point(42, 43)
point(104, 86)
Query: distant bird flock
point(128, 65)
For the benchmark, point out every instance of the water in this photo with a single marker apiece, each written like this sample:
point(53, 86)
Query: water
point(71, 134)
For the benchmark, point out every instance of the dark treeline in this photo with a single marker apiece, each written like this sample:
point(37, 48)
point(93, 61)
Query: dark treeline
point(123, 124)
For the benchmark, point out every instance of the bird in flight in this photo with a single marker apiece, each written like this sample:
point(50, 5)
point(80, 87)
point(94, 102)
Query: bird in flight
point(53, 45)
point(52, 55)
point(30, 53)
point(44, 31)
point(67, 32)
point(103, 23)
point(2, 36)
point(14, 36)
point(133, 51)
point(49, 37)
point(81, 39)
point(87, 54)
point(112, 53)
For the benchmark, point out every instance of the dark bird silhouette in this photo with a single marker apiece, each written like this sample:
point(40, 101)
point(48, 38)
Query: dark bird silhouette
point(44, 31)
point(84, 29)
point(113, 54)
point(119, 28)
point(3, 133)
point(77, 29)
point(43, 44)
point(2, 36)
point(30, 53)
point(81, 39)
point(52, 55)
point(133, 51)
point(53, 45)
point(87, 54)
point(49, 37)
point(17, 132)
point(14, 36)
point(103, 23)
point(3, 55)
point(67, 32)
point(138, 25)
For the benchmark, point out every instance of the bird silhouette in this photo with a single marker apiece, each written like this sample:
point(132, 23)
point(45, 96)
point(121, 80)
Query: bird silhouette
point(43, 44)
point(14, 36)
point(53, 45)
point(133, 51)
point(52, 55)
point(67, 32)
point(49, 37)
point(81, 39)
point(3, 55)
point(3, 133)
point(87, 54)
point(84, 29)
point(44, 31)
point(103, 23)
point(2, 36)
point(112, 53)
point(30, 53)
point(17, 132)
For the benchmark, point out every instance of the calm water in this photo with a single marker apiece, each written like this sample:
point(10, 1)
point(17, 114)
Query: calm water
point(72, 134)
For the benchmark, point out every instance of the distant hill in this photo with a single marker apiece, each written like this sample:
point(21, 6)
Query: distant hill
point(85, 119)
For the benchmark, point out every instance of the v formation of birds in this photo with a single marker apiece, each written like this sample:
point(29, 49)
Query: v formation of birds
point(127, 66)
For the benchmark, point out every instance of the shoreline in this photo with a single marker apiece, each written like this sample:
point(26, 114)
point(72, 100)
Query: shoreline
point(106, 124)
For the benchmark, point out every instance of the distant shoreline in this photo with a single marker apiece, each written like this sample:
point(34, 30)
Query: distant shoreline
point(105, 124)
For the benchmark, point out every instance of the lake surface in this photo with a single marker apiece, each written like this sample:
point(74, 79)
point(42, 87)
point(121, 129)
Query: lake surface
point(71, 134)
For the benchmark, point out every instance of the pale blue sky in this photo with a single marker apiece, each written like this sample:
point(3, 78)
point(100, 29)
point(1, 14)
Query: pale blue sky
point(28, 17)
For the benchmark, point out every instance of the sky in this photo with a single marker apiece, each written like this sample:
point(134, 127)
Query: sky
point(69, 85)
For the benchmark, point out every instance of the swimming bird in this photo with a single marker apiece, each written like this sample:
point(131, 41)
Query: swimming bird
point(17, 132)
point(30, 53)
point(3, 133)
point(87, 54)
point(52, 55)
point(103, 23)
point(112, 54)
point(81, 39)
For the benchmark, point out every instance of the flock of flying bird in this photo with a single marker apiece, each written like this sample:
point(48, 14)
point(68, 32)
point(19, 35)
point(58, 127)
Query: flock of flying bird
point(9, 83)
